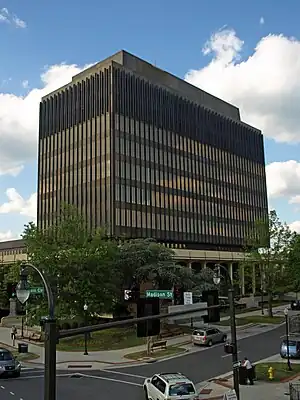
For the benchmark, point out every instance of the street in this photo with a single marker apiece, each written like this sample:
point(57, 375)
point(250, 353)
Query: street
point(127, 382)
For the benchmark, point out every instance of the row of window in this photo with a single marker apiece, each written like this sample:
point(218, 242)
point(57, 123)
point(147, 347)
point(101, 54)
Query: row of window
point(135, 195)
point(164, 222)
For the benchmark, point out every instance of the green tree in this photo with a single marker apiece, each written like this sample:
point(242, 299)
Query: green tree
point(80, 266)
point(293, 264)
point(269, 245)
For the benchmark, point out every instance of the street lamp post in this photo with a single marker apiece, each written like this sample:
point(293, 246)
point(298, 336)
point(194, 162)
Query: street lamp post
point(217, 280)
point(286, 314)
point(85, 308)
point(23, 293)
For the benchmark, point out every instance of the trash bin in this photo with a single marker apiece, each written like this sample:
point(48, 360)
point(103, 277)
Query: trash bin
point(253, 373)
point(22, 348)
point(243, 376)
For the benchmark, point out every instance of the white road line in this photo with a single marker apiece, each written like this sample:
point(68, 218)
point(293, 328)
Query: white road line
point(123, 373)
point(229, 355)
point(12, 393)
point(2, 387)
point(40, 376)
point(110, 379)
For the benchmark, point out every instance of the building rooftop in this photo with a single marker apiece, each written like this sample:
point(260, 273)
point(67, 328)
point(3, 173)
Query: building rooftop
point(12, 244)
point(160, 78)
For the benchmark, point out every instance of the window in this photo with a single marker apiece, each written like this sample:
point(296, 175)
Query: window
point(181, 389)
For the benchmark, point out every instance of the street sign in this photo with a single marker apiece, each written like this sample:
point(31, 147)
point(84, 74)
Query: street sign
point(161, 294)
point(230, 395)
point(37, 290)
point(188, 298)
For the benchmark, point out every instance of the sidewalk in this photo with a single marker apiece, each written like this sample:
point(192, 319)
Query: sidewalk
point(100, 359)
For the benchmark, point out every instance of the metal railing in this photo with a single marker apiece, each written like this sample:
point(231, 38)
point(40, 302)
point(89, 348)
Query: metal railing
point(294, 391)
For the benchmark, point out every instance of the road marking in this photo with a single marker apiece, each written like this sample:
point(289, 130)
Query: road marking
point(12, 393)
point(229, 355)
point(40, 376)
point(110, 379)
point(123, 373)
point(2, 387)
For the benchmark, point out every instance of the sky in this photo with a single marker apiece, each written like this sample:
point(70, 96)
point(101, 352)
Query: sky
point(248, 56)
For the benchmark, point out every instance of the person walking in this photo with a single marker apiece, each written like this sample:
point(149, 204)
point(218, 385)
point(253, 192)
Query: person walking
point(249, 369)
point(13, 334)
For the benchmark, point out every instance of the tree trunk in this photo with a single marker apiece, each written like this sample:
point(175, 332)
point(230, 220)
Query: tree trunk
point(270, 308)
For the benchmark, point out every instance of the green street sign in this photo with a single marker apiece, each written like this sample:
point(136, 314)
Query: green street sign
point(37, 290)
point(161, 294)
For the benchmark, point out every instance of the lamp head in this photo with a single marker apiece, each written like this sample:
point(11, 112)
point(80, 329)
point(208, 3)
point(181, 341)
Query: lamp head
point(217, 276)
point(23, 288)
point(85, 307)
point(286, 311)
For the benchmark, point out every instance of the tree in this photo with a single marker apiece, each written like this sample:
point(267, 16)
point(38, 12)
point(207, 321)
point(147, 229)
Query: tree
point(79, 266)
point(293, 264)
point(269, 245)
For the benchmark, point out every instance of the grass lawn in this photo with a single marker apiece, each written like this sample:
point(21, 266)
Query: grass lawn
point(254, 319)
point(109, 339)
point(170, 351)
point(280, 371)
point(25, 356)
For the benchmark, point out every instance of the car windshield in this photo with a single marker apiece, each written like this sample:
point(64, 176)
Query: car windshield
point(291, 343)
point(181, 389)
point(5, 356)
point(199, 333)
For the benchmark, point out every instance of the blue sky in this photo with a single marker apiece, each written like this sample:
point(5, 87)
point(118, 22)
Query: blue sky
point(252, 59)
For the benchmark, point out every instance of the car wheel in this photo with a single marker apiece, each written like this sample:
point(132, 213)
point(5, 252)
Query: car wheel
point(210, 343)
point(146, 394)
point(224, 338)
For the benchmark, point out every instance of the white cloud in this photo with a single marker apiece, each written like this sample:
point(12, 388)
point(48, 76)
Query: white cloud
point(9, 18)
point(16, 204)
point(265, 86)
point(25, 84)
point(262, 20)
point(19, 118)
point(295, 226)
point(283, 180)
point(8, 235)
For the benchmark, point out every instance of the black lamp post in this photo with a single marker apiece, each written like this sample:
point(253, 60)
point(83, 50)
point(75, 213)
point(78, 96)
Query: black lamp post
point(85, 308)
point(286, 314)
point(217, 280)
point(23, 293)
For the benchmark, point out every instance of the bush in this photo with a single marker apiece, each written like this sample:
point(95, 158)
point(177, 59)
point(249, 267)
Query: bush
point(81, 324)
point(74, 325)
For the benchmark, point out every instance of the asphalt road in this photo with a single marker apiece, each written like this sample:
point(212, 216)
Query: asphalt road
point(126, 382)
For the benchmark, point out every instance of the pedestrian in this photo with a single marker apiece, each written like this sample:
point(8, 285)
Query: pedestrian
point(249, 369)
point(13, 334)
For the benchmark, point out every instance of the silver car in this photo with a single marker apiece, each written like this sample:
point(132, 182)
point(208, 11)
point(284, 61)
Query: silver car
point(208, 336)
point(9, 365)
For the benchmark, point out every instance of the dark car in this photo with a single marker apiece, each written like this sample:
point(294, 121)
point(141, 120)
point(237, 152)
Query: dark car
point(294, 348)
point(295, 305)
point(9, 365)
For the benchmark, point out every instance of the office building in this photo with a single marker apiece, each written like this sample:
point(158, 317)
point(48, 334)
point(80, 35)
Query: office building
point(146, 154)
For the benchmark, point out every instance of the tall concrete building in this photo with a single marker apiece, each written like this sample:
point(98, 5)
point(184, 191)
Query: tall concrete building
point(146, 154)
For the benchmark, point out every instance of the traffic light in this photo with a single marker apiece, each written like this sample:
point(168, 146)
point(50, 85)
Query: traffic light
point(211, 297)
point(178, 295)
point(145, 308)
point(132, 294)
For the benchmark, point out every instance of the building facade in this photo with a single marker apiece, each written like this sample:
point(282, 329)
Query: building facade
point(146, 154)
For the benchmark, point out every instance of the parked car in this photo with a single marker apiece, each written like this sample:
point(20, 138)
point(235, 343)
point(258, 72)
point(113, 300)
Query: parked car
point(167, 386)
point(294, 348)
point(9, 365)
point(208, 336)
point(295, 305)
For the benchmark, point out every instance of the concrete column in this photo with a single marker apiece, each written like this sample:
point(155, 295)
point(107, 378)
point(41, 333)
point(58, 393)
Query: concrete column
point(242, 279)
point(203, 264)
point(230, 270)
point(253, 279)
point(189, 264)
